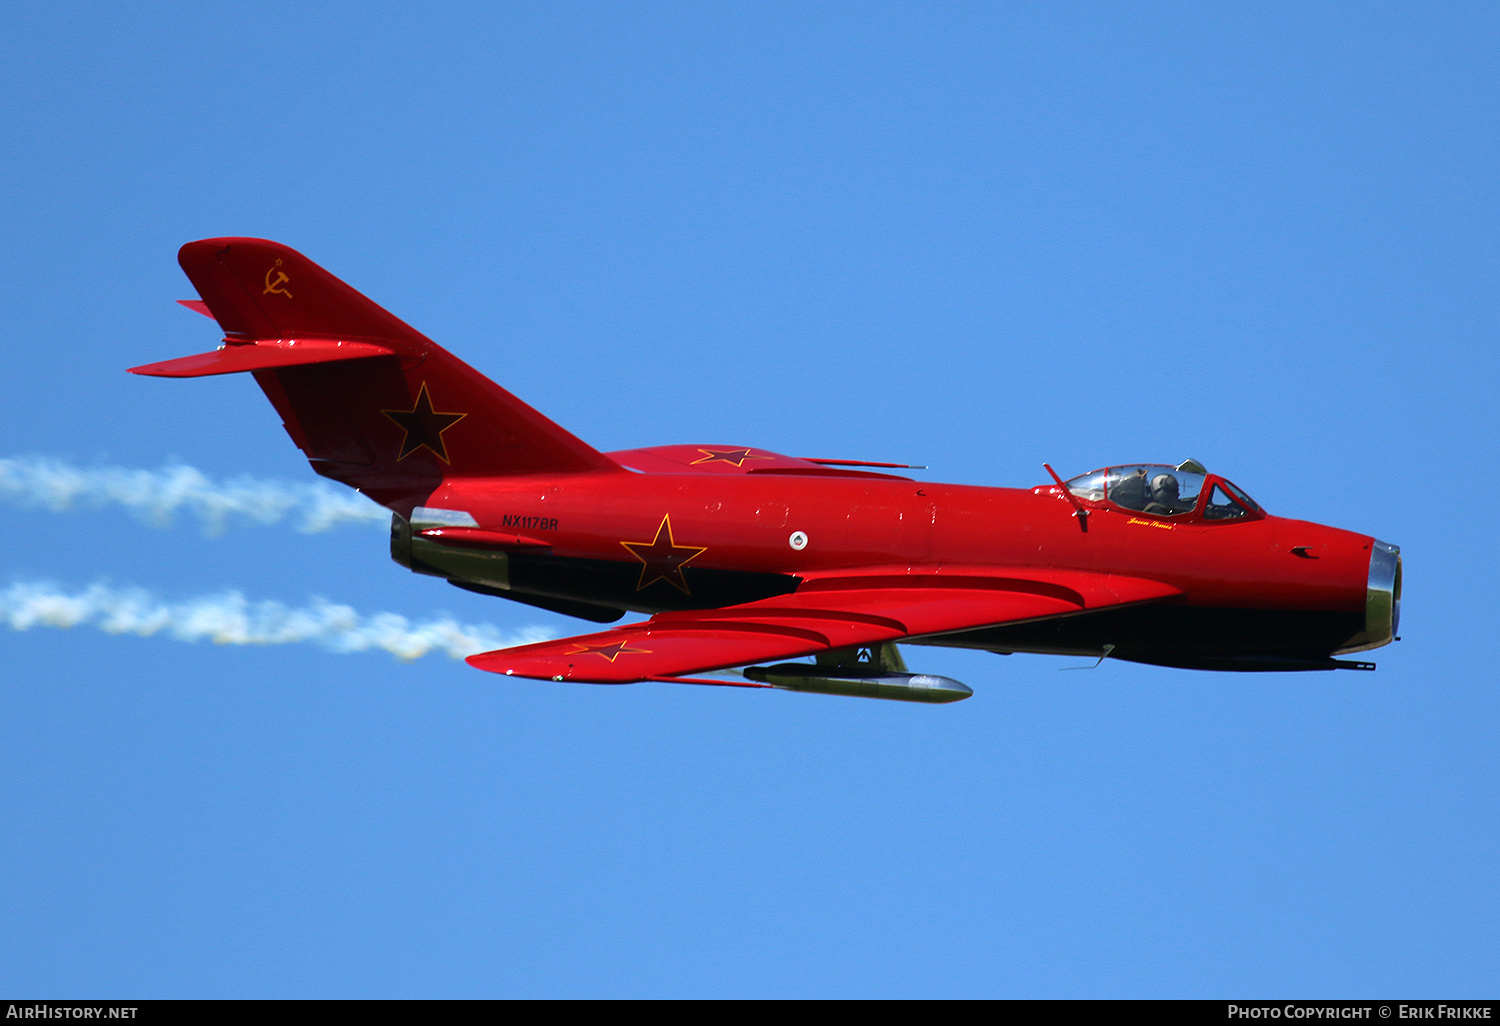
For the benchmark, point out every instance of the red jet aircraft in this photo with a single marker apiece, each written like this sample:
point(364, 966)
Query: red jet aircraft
point(744, 556)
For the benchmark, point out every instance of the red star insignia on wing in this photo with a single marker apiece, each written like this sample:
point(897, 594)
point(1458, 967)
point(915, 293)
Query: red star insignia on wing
point(424, 427)
point(610, 650)
point(737, 457)
point(663, 558)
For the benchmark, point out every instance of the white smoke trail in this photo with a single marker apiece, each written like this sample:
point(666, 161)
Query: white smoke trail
point(157, 495)
point(230, 619)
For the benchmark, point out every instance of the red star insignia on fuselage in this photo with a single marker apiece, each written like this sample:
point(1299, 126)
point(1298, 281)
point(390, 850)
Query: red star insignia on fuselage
point(737, 457)
point(423, 426)
point(610, 650)
point(663, 558)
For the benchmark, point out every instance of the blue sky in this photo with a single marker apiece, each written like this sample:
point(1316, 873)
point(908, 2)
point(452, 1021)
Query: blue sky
point(978, 237)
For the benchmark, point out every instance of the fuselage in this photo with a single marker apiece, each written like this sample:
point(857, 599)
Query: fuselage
point(1254, 589)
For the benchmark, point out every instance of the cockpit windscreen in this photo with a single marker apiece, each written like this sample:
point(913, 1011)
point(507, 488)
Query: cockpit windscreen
point(1154, 488)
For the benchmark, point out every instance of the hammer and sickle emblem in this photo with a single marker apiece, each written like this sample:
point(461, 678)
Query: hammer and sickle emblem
point(276, 280)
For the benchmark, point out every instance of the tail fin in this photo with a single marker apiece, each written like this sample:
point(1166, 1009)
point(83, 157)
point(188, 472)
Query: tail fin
point(371, 401)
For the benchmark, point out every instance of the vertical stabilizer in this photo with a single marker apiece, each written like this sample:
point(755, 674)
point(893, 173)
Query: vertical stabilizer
point(393, 423)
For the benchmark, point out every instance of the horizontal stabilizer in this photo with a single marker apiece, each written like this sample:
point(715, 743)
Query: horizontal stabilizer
point(198, 305)
point(234, 358)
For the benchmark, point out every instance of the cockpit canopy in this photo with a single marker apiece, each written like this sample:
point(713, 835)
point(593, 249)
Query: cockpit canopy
point(1162, 490)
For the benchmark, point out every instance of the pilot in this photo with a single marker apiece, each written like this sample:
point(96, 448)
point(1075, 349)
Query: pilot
point(1164, 496)
point(1131, 491)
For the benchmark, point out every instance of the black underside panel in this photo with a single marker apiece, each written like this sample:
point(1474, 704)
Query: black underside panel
point(567, 607)
point(1173, 635)
point(599, 582)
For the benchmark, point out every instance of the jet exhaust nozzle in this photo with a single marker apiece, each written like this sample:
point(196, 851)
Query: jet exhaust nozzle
point(824, 680)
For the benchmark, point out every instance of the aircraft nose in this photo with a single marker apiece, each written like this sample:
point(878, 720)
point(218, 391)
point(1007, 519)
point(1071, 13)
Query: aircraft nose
point(1382, 598)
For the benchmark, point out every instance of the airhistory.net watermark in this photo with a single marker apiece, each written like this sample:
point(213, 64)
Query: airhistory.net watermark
point(45, 1010)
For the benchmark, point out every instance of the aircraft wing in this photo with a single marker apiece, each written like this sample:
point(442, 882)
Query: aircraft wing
point(837, 610)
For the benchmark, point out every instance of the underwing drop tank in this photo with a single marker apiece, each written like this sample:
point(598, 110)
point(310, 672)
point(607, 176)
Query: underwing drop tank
point(902, 687)
point(876, 671)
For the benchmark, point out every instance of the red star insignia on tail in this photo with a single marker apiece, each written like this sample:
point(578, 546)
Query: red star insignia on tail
point(423, 426)
point(663, 558)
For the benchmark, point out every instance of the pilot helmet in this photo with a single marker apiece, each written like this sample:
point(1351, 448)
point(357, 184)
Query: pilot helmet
point(1164, 486)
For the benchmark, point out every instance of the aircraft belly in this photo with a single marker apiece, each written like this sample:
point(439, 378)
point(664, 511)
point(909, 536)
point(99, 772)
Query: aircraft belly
point(1170, 635)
